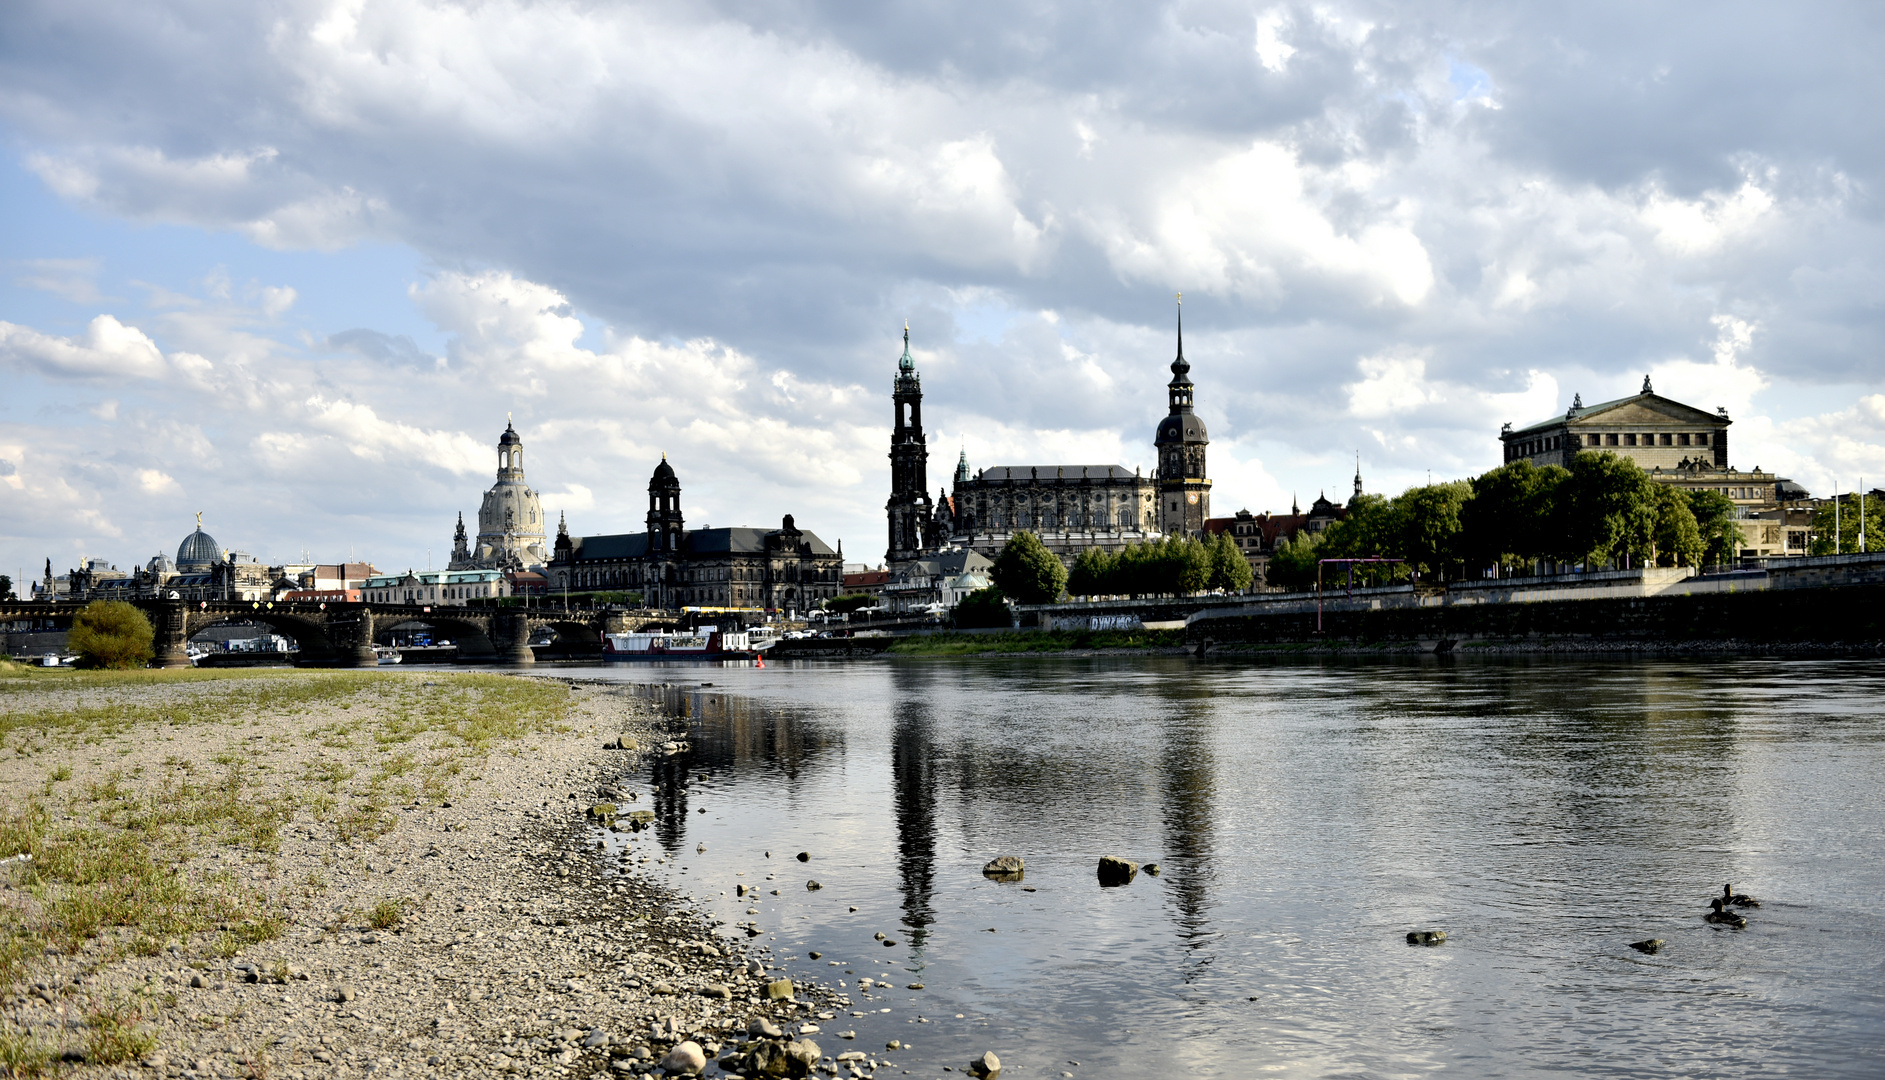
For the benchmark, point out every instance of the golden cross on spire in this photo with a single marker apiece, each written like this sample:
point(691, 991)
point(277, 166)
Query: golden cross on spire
point(1180, 297)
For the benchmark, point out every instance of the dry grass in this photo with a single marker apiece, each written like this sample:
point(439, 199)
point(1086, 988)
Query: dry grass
point(107, 873)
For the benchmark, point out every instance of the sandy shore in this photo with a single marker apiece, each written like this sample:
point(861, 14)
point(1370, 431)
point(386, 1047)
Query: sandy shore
point(344, 874)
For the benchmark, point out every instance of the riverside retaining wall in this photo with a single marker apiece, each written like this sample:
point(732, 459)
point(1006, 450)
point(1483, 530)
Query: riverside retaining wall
point(1834, 601)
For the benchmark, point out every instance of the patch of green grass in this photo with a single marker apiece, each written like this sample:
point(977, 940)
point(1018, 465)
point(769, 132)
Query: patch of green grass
point(387, 913)
point(1036, 642)
point(114, 1034)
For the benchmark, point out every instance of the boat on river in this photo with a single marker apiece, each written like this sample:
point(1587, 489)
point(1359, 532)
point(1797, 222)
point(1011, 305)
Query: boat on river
point(709, 643)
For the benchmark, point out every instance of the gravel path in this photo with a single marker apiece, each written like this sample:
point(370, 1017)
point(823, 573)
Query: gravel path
point(515, 950)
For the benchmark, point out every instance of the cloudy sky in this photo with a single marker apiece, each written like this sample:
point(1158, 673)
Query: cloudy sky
point(291, 263)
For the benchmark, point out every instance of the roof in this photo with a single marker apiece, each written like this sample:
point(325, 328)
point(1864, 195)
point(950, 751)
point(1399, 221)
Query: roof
point(198, 548)
point(947, 563)
point(1056, 472)
point(1180, 427)
point(1655, 402)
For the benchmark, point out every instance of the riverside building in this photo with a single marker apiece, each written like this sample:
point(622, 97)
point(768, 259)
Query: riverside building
point(1675, 444)
point(1070, 507)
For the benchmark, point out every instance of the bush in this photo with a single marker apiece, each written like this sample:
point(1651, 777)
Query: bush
point(982, 609)
point(849, 602)
point(111, 634)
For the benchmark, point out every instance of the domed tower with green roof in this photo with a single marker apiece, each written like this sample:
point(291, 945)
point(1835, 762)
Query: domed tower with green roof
point(909, 508)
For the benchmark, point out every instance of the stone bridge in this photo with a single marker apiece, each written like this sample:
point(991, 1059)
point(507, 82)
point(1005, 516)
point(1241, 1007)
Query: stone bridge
point(342, 635)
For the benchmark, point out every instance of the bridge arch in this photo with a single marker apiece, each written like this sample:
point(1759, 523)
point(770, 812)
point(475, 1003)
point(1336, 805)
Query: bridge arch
point(472, 636)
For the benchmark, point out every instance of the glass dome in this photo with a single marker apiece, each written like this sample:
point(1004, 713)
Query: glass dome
point(198, 549)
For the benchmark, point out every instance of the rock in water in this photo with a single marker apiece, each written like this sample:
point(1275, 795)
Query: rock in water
point(1151, 868)
point(813, 886)
point(1006, 868)
point(1425, 937)
point(805, 856)
point(779, 990)
point(986, 1065)
point(1652, 946)
point(804, 1055)
point(1116, 871)
point(687, 1058)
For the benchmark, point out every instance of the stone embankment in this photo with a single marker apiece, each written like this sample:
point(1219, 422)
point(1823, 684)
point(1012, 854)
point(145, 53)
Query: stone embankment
point(393, 874)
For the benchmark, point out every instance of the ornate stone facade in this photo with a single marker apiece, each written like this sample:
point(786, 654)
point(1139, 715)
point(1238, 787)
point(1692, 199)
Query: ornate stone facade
point(673, 566)
point(1070, 507)
point(511, 527)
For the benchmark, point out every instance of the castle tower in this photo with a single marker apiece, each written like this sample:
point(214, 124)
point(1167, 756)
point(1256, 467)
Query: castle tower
point(666, 531)
point(909, 507)
point(1184, 492)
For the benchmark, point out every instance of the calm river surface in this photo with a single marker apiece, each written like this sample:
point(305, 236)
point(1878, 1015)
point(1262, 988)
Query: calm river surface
point(1545, 813)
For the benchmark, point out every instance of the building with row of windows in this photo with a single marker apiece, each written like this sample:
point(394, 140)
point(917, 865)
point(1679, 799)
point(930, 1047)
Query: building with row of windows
point(1678, 445)
point(1070, 507)
point(438, 588)
point(784, 569)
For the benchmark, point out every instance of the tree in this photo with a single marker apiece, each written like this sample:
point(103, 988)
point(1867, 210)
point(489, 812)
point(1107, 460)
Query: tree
point(1428, 521)
point(849, 602)
point(1293, 562)
point(1230, 571)
point(6, 587)
point(1513, 517)
point(1092, 574)
point(1609, 511)
point(1848, 526)
point(1028, 572)
point(111, 634)
point(1715, 523)
point(1192, 561)
point(982, 609)
point(1678, 539)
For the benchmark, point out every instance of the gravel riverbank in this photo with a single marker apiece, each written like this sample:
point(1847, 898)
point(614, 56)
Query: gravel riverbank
point(349, 874)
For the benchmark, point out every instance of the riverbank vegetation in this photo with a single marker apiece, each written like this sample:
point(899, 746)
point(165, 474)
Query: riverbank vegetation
point(1603, 510)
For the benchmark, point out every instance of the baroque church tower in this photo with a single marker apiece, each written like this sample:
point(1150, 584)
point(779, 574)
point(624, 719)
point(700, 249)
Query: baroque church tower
point(1184, 493)
point(510, 520)
point(909, 508)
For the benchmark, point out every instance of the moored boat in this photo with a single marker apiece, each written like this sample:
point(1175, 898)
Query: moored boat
point(704, 643)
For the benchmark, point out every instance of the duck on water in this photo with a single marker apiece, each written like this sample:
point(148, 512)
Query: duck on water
point(1735, 899)
point(1720, 915)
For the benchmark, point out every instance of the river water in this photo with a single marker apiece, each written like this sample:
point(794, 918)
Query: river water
point(1305, 816)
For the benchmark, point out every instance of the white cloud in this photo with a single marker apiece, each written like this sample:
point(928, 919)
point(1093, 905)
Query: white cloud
point(72, 280)
point(1272, 51)
point(107, 349)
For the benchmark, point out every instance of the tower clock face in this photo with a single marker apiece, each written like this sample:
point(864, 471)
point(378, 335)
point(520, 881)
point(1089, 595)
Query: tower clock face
point(1191, 497)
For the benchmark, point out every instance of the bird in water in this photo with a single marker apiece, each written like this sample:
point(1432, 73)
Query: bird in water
point(1723, 917)
point(1735, 899)
point(1652, 946)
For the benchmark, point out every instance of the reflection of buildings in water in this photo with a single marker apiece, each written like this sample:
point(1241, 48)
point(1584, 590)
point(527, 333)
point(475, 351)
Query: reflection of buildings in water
point(726, 733)
point(913, 769)
point(1187, 787)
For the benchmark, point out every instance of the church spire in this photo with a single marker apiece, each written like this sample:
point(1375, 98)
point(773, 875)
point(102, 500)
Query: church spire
point(906, 362)
point(1357, 494)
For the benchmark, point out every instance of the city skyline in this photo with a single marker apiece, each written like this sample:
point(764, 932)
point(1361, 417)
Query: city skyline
point(302, 296)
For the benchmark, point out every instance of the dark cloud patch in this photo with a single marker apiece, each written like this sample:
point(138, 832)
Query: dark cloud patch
point(384, 348)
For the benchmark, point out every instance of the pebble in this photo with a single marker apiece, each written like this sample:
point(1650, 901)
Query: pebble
point(1426, 937)
point(762, 1026)
point(1652, 946)
point(685, 1058)
point(345, 993)
point(813, 886)
point(779, 990)
point(986, 1065)
point(805, 856)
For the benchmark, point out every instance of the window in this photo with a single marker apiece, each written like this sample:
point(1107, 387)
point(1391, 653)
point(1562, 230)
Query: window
point(1682, 439)
point(1629, 440)
point(1610, 440)
point(1702, 439)
point(1667, 439)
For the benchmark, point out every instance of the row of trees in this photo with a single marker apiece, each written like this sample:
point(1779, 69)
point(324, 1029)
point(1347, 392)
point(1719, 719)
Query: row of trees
point(1029, 573)
point(1602, 510)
